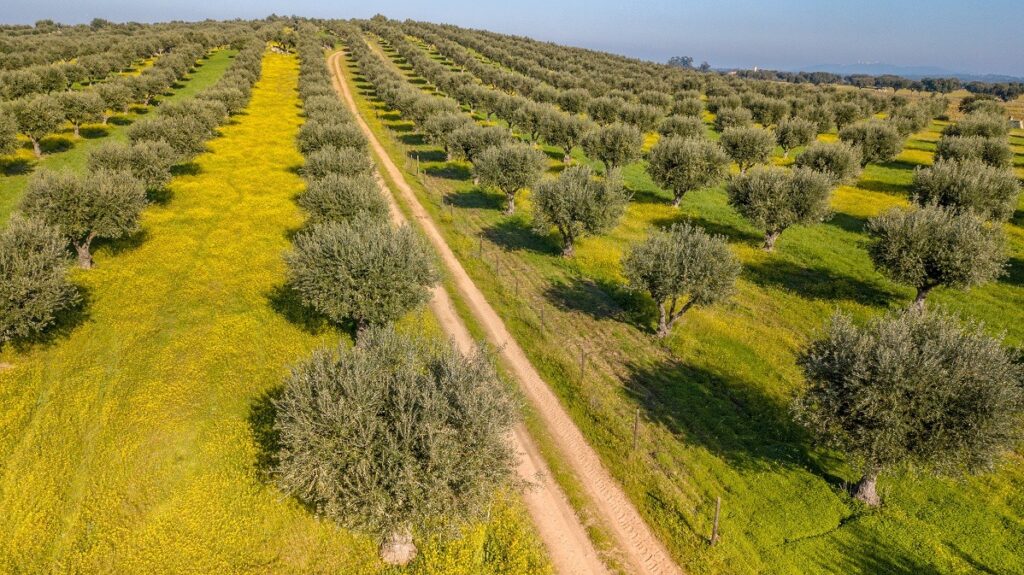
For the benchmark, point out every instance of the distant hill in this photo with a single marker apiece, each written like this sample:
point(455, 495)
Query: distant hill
point(911, 72)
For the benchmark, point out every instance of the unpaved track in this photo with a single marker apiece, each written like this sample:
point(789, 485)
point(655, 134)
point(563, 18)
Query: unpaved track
point(570, 549)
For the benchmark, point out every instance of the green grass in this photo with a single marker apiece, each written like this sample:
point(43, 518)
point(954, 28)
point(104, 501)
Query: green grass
point(135, 439)
point(714, 397)
point(63, 151)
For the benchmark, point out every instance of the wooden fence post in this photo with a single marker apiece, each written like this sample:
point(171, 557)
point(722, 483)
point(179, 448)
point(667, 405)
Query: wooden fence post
point(636, 428)
point(714, 528)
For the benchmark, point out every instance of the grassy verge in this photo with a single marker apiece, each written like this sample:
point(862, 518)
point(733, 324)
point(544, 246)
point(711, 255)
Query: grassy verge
point(63, 151)
point(713, 399)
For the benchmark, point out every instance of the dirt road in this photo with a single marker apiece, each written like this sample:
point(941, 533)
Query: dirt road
point(570, 549)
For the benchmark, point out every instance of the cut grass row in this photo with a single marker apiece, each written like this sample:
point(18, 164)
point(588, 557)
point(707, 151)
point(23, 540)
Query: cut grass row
point(64, 151)
point(714, 398)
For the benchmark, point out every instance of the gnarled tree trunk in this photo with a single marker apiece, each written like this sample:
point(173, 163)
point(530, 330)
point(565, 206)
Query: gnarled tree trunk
point(510, 208)
point(769, 240)
point(922, 293)
point(84, 255)
point(398, 548)
point(37, 148)
point(866, 490)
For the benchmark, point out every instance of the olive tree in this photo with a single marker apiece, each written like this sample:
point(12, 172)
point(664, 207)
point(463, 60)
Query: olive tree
point(839, 160)
point(615, 144)
point(186, 136)
point(394, 435)
point(682, 126)
point(912, 388)
point(995, 152)
point(116, 97)
point(335, 197)
point(748, 146)
point(792, 133)
point(342, 161)
point(979, 124)
point(510, 167)
point(34, 286)
point(438, 126)
point(314, 135)
point(8, 133)
point(877, 141)
point(105, 204)
point(37, 117)
point(972, 185)
point(81, 107)
point(680, 268)
point(774, 199)
point(470, 140)
point(934, 246)
point(148, 161)
point(685, 164)
point(565, 131)
point(845, 113)
point(576, 203)
point(732, 118)
point(361, 270)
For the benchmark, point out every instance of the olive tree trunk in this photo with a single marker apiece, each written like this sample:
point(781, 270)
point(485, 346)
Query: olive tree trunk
point(84, 255)
point(37, 148)
point(922, 293)
point(866, 490)
point(669, 315)
point(769, 240)
point(510, 208)
point(398, 548)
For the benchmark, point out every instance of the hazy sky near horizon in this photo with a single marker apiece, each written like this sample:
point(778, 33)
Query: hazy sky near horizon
point(976, 36)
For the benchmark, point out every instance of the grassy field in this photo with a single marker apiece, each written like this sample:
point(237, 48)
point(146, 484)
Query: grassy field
point(136, 439)
point(713, 399)
point(63, 151)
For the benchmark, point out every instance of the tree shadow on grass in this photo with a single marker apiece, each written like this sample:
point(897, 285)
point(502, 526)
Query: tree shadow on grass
point(731, 232)
point(476, 198)
point(733, 419)
point(450, 171)
point(513, 234)
point(13, 166)
point(56, 144)
point(262, 425)
point(121, 245)
point(848, 222)
point(1014, 272)
point(602, 300)
point(160, 197)
point(92, 132)
point(875, 556)
point(817, 283)
point(1018, 218)
point(415, 139)
point(428, 155)
point(647, 196)
point(119, 121)
point(285, 300)
point(186, 169)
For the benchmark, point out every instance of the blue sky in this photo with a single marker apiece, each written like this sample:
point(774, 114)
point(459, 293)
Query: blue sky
point(960, 35)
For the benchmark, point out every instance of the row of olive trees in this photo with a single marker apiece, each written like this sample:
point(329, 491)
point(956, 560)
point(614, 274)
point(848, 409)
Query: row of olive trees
point(735, 101)
point(423, 428)
point(40, 115)
point(61, 208)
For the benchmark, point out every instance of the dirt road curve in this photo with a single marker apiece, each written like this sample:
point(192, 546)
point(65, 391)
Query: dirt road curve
point(570, 549)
